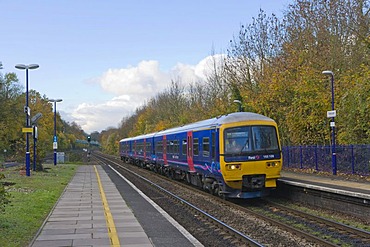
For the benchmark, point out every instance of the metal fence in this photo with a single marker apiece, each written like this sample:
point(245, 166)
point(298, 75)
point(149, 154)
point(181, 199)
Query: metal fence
point(351, 159)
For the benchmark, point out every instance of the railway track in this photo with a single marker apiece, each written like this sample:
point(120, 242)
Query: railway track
point(222, 229)
point(317, 230)
point(321, 227)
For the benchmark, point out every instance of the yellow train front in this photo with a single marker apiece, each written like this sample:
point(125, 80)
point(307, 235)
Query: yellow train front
point(250, 155)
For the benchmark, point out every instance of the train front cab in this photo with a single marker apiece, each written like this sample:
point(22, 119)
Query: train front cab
point(250, 158)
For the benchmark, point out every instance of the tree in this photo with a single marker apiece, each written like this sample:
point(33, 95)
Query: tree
point(354, 105)
point(274, 66)
point(11, 117)
point(327, 35)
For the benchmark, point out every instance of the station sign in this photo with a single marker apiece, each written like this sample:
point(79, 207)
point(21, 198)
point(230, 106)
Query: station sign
point(27, 130)
point(331, 114)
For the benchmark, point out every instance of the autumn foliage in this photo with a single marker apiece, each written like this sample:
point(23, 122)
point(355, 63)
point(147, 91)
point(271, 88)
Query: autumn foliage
point(274, 67)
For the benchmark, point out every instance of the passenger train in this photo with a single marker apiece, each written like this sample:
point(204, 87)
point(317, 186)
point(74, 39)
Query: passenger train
point(237, 155)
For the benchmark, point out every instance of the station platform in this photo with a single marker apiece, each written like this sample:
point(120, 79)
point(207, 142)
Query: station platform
point(95, 211)
point(332, 184)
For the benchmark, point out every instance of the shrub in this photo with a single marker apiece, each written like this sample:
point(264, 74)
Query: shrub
point(4, 195)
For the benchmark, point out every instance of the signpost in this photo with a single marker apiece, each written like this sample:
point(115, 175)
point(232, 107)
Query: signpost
point(331, 114)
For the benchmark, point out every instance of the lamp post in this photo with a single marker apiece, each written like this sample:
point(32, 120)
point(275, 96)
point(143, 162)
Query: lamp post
point(239, 104)
point(332, 114)
point(55, 139)
point(27, 111)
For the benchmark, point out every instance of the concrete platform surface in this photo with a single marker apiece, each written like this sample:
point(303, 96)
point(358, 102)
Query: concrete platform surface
point(330, 183)
point(91, 212)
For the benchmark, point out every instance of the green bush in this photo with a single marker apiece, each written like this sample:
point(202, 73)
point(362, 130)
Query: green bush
point(76, 156)
point(4, 195)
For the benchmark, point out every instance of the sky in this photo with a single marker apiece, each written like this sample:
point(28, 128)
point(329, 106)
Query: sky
point(106, 58)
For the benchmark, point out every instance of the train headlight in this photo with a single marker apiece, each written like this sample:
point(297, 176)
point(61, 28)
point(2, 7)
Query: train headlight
point(233, 167)
point(273, 164)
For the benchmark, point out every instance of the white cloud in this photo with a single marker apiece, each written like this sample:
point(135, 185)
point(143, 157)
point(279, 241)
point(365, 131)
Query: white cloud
point(97, 117)
point(132, 87)
point(205, 66)
point(140, 80)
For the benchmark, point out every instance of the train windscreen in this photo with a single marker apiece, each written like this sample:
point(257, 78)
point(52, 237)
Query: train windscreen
point(251, 143)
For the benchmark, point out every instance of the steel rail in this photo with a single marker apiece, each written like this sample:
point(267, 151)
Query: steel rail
point(282, 225)
point(238, 234)
point(349, 230)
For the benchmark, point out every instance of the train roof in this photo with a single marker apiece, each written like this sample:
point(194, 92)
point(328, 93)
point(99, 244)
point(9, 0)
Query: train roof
point(218, 121)
point(209, 123)
point(138, 137)
point(145, 136)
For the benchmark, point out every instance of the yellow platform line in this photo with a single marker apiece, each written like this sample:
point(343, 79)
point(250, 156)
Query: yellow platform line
point(112, 232)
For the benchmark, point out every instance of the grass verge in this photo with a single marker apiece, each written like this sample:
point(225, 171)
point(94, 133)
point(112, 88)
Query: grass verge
point(32, 198)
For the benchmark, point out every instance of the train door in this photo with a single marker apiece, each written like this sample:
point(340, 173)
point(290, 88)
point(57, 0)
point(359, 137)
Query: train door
point(135, 149)
point(130, 148)
point(213, 146)
point(189, 151)
point(165, 150)
point(144, 149)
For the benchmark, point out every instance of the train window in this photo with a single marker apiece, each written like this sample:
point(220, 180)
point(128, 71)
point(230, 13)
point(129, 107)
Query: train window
point(184, 143)
point(176, 147)
point(159, 147)
point(196, 147)
point(248, 139)
point(172, 147)
point(237, 140)
point(169, 147)
point(264, 138)
point(205, 146)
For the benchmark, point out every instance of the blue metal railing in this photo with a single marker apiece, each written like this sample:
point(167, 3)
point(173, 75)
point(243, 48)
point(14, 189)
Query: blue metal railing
point(351, 159)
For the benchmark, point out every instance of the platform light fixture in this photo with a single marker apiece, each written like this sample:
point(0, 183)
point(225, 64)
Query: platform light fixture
point(236, 101)
point(55, 138)
point(332, 114)
point(27, 112)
